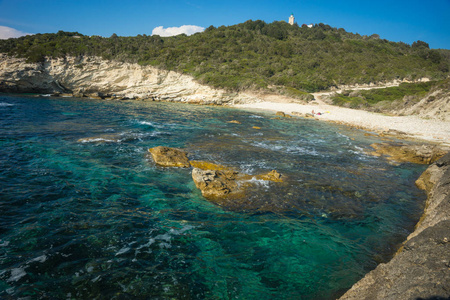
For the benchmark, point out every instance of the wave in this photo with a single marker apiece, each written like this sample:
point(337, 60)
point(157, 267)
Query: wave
point(122, 137)
point(156, 125)
point(4, 104)
point(291, 149)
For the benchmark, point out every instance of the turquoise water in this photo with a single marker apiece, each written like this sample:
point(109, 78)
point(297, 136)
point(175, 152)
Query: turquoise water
point(96, 219)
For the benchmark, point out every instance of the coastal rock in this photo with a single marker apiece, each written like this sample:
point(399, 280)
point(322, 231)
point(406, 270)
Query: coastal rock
point(297, 114)
point(215, 185)
point(421, 268)
point(206, 165)
point(220, 183)
point(280, 113)
point(271, 176)
point(98, 78)
point(419, 154)
point(169, 157)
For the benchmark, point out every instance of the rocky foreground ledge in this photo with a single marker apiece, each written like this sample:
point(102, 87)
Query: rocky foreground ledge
point(421, 268)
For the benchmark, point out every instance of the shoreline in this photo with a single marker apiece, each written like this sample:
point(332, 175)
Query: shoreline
point(412, 271)
point(414, 127)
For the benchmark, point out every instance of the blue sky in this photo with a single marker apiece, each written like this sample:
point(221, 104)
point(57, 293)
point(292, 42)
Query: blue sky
point(405, 21)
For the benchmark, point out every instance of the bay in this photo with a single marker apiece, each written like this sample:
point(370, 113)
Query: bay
point(86, 214)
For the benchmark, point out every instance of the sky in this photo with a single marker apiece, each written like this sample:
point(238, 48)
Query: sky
point(405, 21)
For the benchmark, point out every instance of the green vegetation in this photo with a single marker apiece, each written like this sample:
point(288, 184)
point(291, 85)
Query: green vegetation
point(254, 55)
point(371, 98)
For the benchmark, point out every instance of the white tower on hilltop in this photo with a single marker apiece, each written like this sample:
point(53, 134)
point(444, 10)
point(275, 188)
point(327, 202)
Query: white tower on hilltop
point(291, 19)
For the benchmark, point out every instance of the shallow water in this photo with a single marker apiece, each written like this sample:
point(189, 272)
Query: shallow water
point(85, 214)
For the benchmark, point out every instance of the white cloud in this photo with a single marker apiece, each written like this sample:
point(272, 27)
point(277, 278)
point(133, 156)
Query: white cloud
point(171, 31)
point(8, 32)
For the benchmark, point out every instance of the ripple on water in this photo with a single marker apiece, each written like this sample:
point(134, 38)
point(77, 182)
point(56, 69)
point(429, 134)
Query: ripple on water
point(97, 218)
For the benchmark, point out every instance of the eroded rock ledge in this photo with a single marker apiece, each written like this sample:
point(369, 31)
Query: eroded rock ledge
point(421, 268)
point(97, 78)
point(414, 153)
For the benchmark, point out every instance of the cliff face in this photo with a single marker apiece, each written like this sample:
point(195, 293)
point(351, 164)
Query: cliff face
point(435, 105)
point(87, 75)
point(421, 269)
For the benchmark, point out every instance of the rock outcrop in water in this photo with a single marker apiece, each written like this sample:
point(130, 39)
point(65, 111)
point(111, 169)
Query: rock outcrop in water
point(169, 157)
point(102, 79)
point(421, 268)
point(215, 184)
point(219, 184)
point(418, 154)
point(222, 185)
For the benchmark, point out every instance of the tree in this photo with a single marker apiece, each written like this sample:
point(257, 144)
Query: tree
point(420, 44)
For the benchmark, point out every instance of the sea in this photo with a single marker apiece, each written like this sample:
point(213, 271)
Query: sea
point(86, 214)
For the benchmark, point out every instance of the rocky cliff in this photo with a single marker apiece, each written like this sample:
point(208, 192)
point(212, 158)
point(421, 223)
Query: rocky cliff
point(434, 105)
point(92, 75)
point(421, 268)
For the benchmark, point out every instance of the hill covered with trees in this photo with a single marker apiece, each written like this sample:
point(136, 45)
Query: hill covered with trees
point(254, 55)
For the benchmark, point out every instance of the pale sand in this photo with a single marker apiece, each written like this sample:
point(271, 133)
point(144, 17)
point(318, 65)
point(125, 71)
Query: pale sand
point(429, 130)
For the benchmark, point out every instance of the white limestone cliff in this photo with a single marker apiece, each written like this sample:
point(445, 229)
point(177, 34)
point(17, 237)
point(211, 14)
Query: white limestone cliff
point(87, 75)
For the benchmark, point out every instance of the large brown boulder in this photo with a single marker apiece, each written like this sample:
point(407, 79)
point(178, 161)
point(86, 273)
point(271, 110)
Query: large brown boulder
point(223, 185)
point(169, 157)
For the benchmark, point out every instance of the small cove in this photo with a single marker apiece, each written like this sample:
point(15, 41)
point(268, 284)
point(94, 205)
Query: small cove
point(97, 219)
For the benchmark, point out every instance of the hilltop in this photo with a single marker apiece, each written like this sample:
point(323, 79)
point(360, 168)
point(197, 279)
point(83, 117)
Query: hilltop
point(254, 56)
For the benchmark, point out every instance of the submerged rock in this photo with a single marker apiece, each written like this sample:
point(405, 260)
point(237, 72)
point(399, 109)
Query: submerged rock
point(205, 165)
point(419, 154)
point(169, 157)
point(271, 176)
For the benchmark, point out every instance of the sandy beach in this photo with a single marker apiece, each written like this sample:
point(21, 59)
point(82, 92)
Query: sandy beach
point(435, 131)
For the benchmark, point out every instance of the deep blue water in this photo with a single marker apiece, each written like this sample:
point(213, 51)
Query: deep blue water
point(96, 219)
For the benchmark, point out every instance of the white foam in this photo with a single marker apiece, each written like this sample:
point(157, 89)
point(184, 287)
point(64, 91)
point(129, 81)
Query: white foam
point(123, 250)
point(96, 140)
point(182, 230)
point(261, 182)
point(165, 237)
point(4, 243)
point(146, 123)
point(293, 149)
point(40, 259)
point(5, 104)
point(156, 125)
point(16, 274)
point(150, 242)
